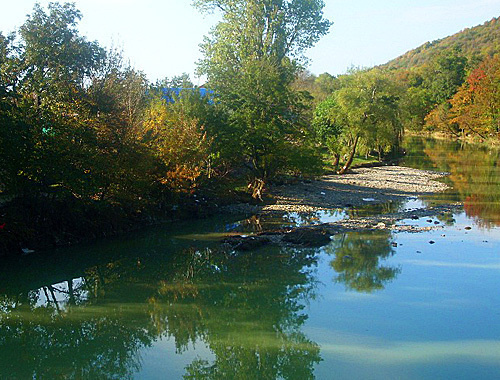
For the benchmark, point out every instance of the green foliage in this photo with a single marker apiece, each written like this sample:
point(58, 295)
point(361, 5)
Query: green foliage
point(328, 127)
point(251, 60)
point(56, 61)
point(416, 103)
point(362, 116)
point(447, 73)
point(69, 112)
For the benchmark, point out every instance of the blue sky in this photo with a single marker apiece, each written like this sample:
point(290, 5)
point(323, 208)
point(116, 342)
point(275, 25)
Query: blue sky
point(161, 37)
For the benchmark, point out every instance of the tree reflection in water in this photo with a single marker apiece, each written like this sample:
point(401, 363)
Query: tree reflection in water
point(248, 309)
point(474, 174)
point(359, 260)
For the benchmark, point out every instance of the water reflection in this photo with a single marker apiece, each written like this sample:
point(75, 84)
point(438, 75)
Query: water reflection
point(90, 313)
point(375, 209)
point(359, 260)
point(248, 309)
point(474, 174)
point(274, 220)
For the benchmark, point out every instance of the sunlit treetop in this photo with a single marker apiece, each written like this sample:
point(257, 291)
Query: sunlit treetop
point(270, 27)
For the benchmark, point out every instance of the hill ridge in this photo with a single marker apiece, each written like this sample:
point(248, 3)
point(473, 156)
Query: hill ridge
point(479, 41)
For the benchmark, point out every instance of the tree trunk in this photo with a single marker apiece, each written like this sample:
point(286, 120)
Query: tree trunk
point(336, 160)
point(351, 157)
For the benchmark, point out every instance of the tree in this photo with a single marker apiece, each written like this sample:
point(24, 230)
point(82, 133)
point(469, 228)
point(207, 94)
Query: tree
point(328, 126)
point(178, 142)
point(56, 60)
point(364, 112)
point(475, 108)
point(48, 72)
point(251, 60)
point(9, 139)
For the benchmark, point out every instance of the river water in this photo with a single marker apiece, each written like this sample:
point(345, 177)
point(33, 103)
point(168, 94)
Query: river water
point(168, 303)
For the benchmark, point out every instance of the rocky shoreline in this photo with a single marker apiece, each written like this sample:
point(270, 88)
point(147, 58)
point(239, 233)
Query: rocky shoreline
point(360, 187)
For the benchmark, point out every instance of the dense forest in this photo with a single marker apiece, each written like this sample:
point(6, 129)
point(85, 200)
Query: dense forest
point(90, 148)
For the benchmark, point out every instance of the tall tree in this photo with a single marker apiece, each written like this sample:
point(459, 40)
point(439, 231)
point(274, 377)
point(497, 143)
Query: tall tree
point(251, 59)
point(56, 59)
point(52, 66)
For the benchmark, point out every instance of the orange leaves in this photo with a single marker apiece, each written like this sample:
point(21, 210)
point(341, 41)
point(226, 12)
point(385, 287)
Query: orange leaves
point(475, 108)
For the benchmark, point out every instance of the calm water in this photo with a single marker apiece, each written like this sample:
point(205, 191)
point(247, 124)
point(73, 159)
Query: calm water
point(169, 304)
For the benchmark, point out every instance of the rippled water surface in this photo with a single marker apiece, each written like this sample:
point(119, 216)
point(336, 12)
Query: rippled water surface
point(169, 303)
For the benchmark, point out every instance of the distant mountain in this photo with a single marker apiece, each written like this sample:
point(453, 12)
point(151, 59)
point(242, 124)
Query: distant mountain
point(477, 42)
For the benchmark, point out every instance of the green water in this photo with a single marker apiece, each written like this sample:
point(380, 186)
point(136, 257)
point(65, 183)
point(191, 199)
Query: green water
point(169, 303)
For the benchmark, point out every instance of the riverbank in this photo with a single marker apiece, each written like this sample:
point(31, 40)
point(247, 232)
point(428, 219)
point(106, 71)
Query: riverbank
point(491, 141)
point(359, 187)
point(28, 227)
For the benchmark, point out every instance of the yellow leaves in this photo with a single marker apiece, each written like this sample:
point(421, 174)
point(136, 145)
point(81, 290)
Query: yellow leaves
point(180, 145)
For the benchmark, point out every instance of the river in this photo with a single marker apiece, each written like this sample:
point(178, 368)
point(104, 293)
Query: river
point(168, 303)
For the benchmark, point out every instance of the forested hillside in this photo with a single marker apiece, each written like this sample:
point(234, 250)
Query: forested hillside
point(475, 43)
